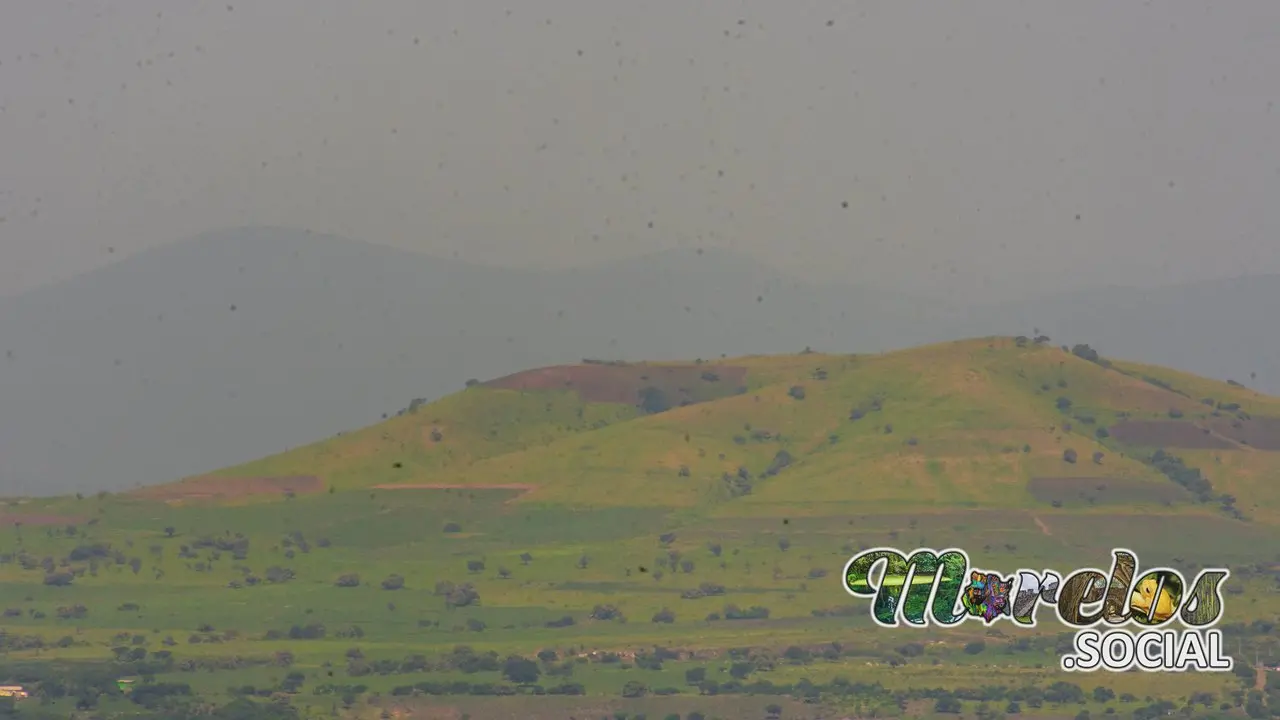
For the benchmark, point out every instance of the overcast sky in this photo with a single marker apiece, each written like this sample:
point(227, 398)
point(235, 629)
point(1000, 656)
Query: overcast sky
point(1014, 144)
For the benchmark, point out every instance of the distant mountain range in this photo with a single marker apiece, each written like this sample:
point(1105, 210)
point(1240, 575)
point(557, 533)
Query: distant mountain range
point(238, 344)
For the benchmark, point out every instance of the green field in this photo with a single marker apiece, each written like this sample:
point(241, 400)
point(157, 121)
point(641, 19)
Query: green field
point(643, 541)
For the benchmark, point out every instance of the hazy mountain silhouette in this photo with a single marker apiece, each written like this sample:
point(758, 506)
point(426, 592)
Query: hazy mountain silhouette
point(238, 344)
point(243, 343)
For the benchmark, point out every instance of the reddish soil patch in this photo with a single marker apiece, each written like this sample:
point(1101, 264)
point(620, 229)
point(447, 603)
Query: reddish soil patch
point(682, 384)
point(1260, 433)
point(523, 487)
point(1168, 434)
point(40, 520)
point(227, 488)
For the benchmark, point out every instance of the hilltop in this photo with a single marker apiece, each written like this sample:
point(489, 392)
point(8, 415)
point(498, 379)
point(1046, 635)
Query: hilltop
point(699, 506)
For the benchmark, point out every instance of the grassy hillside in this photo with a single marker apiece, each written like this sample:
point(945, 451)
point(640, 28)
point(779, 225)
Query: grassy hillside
point(698, 507)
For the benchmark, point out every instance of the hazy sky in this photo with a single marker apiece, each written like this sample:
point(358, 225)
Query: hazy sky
point(1025, 144)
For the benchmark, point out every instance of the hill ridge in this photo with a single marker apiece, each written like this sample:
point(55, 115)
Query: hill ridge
point(718, 428)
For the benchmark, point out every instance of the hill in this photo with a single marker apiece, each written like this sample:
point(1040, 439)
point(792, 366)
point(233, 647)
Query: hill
point(951, 425)
point(703, 508)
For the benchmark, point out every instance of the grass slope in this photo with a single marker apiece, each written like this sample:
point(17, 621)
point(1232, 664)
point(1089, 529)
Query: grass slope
point(553, 497)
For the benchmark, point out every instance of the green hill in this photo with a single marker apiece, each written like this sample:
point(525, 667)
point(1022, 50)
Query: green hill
point(712, 504)
point(961, 426)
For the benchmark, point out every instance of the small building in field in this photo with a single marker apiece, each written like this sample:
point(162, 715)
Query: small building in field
point(125, 684)
point(13, 691)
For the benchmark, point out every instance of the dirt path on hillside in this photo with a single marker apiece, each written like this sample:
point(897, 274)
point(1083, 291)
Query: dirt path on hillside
point(525, 488)
point(1235, 444)
point(212, 488)
point(1043, 527)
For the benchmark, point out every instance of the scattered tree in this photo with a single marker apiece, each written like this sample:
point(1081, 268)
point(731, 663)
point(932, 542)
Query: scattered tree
point(521, 670)
point(653, 400)
point(634, 689)
point(460, 596)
